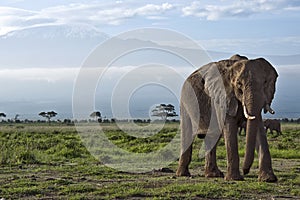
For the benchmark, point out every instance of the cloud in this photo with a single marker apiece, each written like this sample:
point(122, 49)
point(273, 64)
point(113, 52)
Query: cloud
point(11, 18)
point(265, 46)
point(289, 70)
point(93, 13)
point(237, 9)
point(49, 75)
point(151, 9)
point(31, 84)
point(99, 13)
point(111, 74)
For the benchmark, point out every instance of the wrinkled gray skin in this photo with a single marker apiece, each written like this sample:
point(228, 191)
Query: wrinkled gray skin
point(247, 82)
point(273, 125)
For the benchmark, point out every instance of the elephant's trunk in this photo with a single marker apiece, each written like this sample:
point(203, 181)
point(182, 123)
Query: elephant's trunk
point(269, 109)
point(254, 107)
point(252, 128)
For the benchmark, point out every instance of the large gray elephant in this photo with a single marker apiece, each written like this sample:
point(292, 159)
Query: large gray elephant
point(215, 99)
point(273, 125)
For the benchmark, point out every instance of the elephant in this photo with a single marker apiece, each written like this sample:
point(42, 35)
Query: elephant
point(242, 127)
point(214, 100)
point(273, 125)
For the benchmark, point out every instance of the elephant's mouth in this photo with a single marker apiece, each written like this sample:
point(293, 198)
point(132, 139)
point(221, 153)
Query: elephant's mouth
point(267, 108)
point(250, 117)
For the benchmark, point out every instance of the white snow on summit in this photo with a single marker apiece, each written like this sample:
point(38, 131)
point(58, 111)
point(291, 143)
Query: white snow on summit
point(76, 31)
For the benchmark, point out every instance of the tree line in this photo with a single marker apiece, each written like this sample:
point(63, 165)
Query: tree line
point(162, 111)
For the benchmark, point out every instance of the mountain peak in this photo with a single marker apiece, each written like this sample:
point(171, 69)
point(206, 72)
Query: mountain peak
point(70, 31)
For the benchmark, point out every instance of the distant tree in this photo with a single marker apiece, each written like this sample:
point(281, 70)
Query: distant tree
point(2, 115)
point(285, 120)
point(164, 111)
point(16, 119)
point(105, 120)
point(17, 116)
point(96, 115)
point(67, 121)
point(48, 115)
point(138, 121)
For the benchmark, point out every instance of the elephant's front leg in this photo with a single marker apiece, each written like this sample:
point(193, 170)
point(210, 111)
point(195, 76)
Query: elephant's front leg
point(231, 142)
point(265, 164)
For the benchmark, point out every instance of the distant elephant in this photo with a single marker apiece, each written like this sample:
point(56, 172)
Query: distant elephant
point(273, 125)
point(242, 127)
point(214, 99)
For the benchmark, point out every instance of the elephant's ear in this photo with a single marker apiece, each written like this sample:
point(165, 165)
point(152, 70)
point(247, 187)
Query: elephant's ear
point(214, 86)
point(270, 79)
point(269, 86)
point(218, 88)
point(213, 82)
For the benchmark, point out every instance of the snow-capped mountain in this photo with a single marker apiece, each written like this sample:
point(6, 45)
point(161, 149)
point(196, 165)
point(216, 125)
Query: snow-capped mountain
point(68, 46)
point(49, 46)
point(57, 31)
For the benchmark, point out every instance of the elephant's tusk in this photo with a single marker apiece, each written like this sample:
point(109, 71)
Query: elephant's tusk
point(246, 114)
point(269, 109)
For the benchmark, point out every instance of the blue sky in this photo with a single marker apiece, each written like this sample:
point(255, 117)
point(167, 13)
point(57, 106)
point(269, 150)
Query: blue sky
point(250, 26)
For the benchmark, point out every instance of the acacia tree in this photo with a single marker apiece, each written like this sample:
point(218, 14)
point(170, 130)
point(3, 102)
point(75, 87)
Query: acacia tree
point(96, 115)
point(2, 115)
point(48, 115)
point(17, 117)
point(164, 111)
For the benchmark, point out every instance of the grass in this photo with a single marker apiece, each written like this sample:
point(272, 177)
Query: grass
point(38, 161)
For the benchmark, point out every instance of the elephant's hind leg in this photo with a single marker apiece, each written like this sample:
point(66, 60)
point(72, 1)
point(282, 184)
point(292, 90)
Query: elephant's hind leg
point(211, 168)
point(279, 133)
point(186, 145)
point(184, 161)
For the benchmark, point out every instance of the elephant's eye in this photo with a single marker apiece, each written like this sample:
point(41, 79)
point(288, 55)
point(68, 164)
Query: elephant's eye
point(239, 84)
point(265, 83)
point(240, 91)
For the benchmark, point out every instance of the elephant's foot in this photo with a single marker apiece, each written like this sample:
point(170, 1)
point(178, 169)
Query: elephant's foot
point(181, 171)
point(246, 171)
point(214, 173)
point(267, 177)
point(234, 177)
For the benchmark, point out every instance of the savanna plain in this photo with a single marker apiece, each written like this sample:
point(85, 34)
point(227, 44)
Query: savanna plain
point(50, 161)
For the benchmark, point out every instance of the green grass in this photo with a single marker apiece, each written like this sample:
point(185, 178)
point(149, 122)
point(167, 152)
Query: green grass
point(42, 161)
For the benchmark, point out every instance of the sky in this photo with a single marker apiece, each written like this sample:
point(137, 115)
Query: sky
point(248, 27)
point(222, 24)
